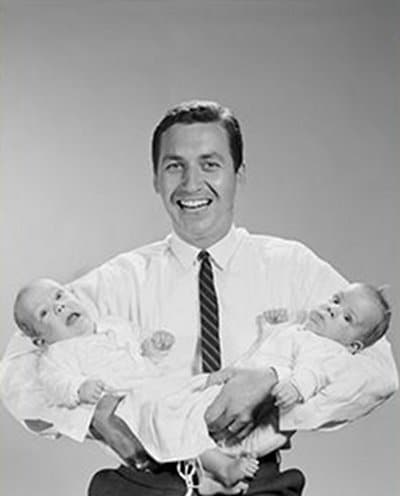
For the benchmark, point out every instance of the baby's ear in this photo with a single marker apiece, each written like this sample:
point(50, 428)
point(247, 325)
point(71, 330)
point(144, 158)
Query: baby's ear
point(355, 347)
point(40, 342)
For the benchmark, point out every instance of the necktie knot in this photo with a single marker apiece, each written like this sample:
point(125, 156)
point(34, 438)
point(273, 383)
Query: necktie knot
point(203, 255)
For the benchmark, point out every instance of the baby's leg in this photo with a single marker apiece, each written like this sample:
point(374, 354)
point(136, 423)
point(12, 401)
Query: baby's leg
point(228, 470)
point(109, 428)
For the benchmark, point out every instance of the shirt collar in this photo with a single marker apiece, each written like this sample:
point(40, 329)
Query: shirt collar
point(220, 252)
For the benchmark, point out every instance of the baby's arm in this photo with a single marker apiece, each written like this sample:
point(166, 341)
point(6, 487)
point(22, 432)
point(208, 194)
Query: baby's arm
point(286, 394)
point(310, 372)
point(91, 390)
point(64, 384)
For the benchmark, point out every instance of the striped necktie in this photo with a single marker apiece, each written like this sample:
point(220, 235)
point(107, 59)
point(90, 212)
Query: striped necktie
point(209, 319)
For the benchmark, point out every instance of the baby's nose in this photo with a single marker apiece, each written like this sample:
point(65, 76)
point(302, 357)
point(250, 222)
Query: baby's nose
point(59, 307)
point(329, 309)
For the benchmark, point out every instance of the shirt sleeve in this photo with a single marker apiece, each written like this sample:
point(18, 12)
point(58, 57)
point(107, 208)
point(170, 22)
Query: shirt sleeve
point(311, 370)
point(113, 288)
point(365, 380)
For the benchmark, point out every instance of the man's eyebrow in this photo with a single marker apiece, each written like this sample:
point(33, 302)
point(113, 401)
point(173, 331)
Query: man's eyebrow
point(171, 156)
point(216, 155)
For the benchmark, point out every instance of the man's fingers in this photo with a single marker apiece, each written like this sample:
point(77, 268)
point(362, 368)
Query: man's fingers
point(238, 430)
point(215, 413)
point(218, 427)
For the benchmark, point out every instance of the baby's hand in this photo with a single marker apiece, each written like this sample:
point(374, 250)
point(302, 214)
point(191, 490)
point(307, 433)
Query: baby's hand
point(159, 341)
point(220, 377)
point(276, 315)
point(162, 340)
point(286, 394)
point(91, 390)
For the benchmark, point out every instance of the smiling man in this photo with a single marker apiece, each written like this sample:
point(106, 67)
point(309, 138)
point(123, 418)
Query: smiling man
point(197, 180)
point(197, 154)
point(207, 282)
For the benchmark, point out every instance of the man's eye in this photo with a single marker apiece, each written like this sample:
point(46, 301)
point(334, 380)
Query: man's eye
point(172, 166)
point(335, 299)
point(58, 295)
point(348, 318)
point(209, 165)
point(42, 314)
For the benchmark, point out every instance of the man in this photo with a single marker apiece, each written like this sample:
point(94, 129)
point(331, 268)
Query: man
point(197, 154)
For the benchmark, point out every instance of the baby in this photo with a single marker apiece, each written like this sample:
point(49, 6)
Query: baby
point(81, 359)
point(303, 357)
point(353, 319)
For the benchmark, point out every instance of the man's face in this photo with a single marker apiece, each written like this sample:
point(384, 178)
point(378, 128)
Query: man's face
point(197, 182)
point(54, 312)
point(347, 316)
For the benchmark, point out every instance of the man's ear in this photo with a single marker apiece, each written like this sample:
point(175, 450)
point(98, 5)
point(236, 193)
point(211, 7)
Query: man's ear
point(155, 183)
point(355, 347)
point(241, 174)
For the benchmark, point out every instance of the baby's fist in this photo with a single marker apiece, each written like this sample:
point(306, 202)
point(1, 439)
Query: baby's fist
point(286, 394)
point(162, 340)
point(91, 390)
point(276, 316)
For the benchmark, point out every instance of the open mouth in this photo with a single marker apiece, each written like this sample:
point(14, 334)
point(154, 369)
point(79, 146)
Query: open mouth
point(72, 318)
point(316, 317)
point(193, 204)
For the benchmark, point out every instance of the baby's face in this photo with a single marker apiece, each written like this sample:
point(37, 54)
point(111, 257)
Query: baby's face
point(54, 312)
point(347, 316)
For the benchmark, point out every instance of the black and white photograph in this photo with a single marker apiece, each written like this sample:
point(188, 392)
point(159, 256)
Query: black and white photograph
point(200, 270)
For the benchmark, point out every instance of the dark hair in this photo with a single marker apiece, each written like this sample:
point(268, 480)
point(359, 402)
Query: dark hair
point(383, 325)
point(200, 111)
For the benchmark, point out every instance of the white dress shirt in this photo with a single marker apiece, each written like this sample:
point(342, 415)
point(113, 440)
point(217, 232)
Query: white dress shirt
point(156, 287)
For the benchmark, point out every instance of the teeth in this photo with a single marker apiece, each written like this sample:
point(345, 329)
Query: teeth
point(193, 203)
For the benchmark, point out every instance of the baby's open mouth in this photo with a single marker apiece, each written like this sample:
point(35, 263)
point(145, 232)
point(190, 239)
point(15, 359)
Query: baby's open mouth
point(72, 318)
point(316, 316)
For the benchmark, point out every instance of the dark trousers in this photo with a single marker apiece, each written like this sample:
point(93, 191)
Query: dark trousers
point(124, 481)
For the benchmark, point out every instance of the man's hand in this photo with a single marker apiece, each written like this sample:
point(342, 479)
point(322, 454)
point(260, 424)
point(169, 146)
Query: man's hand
point(91, 390)
point(220, 377)
point(286, 394)
point(232, 415)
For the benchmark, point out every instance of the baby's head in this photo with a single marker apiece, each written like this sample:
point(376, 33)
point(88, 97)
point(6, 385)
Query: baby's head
point(47, 312)
point(356, 317)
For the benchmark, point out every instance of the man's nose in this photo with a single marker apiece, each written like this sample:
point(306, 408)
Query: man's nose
point(191, 180)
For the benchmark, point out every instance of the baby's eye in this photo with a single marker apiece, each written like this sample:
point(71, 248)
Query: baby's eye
point(335, 299)
point(42, 314)
point(58, 295)
point(348, 318)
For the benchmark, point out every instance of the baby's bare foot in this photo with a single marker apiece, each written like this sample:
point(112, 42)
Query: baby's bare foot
point(240, 468)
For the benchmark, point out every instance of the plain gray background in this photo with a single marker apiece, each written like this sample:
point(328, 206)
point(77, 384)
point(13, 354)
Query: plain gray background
point(315, 84)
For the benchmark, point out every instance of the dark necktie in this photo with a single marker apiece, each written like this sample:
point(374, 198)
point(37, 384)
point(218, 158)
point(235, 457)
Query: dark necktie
point(209, 319)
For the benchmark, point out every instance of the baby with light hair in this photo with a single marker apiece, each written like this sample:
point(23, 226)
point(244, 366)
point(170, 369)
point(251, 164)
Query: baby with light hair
point(80, 359)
